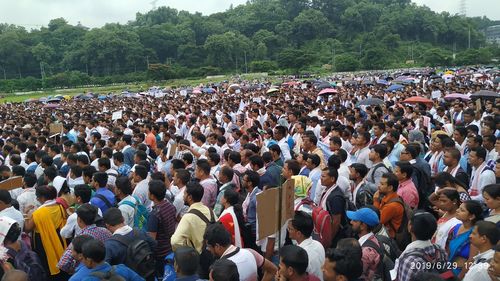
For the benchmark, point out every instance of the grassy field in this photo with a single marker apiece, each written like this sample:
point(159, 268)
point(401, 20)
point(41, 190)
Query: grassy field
point(133, 87)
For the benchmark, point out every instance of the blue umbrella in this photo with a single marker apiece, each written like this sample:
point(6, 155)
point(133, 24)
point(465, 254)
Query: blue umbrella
point(208, 90)
point(102, 97)
point(382, 82)
point(394, 88)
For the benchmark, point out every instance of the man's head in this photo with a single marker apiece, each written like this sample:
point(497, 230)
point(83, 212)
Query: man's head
point(477, 156)
point(377, 153)
point(193, 193)
point(403, 170)
point(186, 260)
point(250, 180)
point(293, 262)
point(78, 242)
point(224, 270)
point(5, 199)
point(86, 215)
point(217, 239)
point(485, 235)
point(291, 168)
point(99, 180)
point(202, 170)
point(363, 220)
point(388, 184)
point(182, 177)
point(113, 219)
point(301, 226)
point(451, 157)
point(329, 177)
point(422, 226)
point(93, 252)
point(357, 171)
point(341, 265)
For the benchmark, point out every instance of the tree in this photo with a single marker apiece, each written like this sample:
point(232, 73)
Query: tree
point(437, 57)
point(310, 24)
point(346, 62)
point(294, 58)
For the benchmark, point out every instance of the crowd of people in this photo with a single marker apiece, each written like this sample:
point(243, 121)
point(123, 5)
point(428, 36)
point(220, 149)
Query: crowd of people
point(385, 188)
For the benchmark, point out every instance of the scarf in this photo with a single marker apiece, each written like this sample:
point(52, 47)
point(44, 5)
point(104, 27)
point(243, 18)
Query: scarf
point(236, 226)
point(474, 181)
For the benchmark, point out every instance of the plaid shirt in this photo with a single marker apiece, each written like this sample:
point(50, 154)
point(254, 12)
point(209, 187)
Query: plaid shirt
point(124, 170)
point(423, 259)
point(67, 263)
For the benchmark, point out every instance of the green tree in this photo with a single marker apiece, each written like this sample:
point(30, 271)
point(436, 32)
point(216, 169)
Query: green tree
point(346, 62)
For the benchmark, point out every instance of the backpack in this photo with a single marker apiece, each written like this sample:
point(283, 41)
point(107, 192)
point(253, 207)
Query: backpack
point(108, 276)
point(379, 165)
point(425, 188)
point(240, 180)
point(206, 258)
point(391, 249)
point(385, 264)
point(105, 200)
point(140, 256)
point(28, 261)
point(403, 236)
point(141, 214)
point(445, 272)
point(364, 196)
point(169, 273)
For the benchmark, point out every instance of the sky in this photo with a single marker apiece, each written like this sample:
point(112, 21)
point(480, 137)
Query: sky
point(95, 13)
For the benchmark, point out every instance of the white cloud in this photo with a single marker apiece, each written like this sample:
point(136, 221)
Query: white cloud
point(95, 13)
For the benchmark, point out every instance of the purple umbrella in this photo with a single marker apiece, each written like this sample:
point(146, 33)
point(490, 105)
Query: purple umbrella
point(456, 96)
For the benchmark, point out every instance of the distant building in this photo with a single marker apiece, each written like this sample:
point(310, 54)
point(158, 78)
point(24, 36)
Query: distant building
point(493, 34)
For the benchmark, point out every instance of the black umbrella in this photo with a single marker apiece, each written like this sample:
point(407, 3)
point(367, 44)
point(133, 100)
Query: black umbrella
point(323, 85)
point(485, 94)
point(367, 82)
point(371, 101)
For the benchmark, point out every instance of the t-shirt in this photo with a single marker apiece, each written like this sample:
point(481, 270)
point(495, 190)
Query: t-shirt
point(162, 221)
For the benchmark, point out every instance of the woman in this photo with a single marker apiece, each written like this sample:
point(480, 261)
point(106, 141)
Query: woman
point(449, 201)
point(491, 195)
point(232, 216)
point(443, 180)
point(65, 198)
point(46, 222)
point(459, 250)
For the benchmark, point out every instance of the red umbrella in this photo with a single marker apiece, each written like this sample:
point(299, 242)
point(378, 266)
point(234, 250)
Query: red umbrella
point(328, 91)
point(418, 100)
point(291, 83)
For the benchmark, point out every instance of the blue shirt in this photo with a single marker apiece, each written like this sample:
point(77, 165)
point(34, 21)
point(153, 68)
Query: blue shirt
point(98, 202)
point(120, 269)
point(81, 272)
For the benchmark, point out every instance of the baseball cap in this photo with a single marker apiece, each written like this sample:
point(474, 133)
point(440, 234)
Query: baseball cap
point(364, 215)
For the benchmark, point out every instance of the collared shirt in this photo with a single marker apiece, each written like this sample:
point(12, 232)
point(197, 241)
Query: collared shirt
point(141, 191)
point(162, 222)
point(391, 214)
point(191, 228)
point(124, 170)
point(27, 198)
point(121, 270)
point(14, 214)
point(128, 212)
point(210, 191)
point(409, 193)
point(285, 149)
point(479, 269)
point(316, 253)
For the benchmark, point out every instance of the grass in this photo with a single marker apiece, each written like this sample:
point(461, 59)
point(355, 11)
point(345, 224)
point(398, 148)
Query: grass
point(133, 87)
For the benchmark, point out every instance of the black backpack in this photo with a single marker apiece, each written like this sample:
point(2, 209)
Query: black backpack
point(391, 248)
point(29, 262)
point(108, 276)
point(425, 188)
point(385, 265)
point(140, 256)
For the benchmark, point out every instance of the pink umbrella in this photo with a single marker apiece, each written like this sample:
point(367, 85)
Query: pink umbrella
point(196, 91)
point(328, 91)
point(456, 96)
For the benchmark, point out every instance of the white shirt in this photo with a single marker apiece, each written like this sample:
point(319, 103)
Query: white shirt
point(362, 157)
point(345, 185)
point(142, 192)
point(128, 212)
point(27, 198)
point(71, 227)
point(179, 205)
point(479, 271)
point(285, 149)
point(14, 214)
point(316, 253)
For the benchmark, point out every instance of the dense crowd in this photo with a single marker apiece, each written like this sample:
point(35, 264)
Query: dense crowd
point(396, 177)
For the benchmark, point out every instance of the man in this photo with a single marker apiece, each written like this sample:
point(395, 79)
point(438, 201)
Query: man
point(281, 134)
point(186, 260)
point(161, 223)
point(150, 136)
point(202, 173)
point(406, 189)
point(81, 270)
point(420, 167)
point(225, 178)
point(248, 261)
point(300, 229)
point(481, 175)
point(128, 203)
point(333, 201)
point(122, 168)
point(103, 197)
point(309, 144)
point(86, 215)
point(489, 142)
point(116, 249)
point(7, 210)
point(379, 133)
point(94, 254)
point(484, 237)
point(361, 151)
point(293, 265)
point(451, 159)
point(271, 177)
point(55, 153)
point(363, 221)
point(250, 183)
point(181, 178)
point(494, 269)
point(460, 138)
point(342, 265)
point(190, 230)
point(421, 251)
point(312, 163)
point(104, 165)
point(140, 178)
point(276, 153)
point(28, 197)
point(127, 150)
point(362, 191)
point(377, 154)
point(385, 199)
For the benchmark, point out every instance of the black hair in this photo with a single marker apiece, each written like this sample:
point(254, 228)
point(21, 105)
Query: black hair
point(493, 190)
point(392, 180)
point(333, 173)
point(87, 213)
point(405, 167)
point(224, 270)
point(195, 190)
point(184, 175)
point(13, 234)
point(315, 159)
point(113, 216)
point(488, 229)
point(123, 184)
point(79, 241)
point(294, 166)
point(235, 157)
point(141, 171)
point(253, 177)
point(256, 160)
point(177, 164)
point(48, 192)
point(303, 223)
point(475, 208)
point(334, 162)
point(50, 172)
point(30, 179)
point(380, 149)
point(204, 166)
point(101, 178)
point(345, 264)
point(480, 152)
point(84, 192)
point(424, 225)
point(295, 257)
point(361, 169)
point(118, 156)
point(216, 233)
point(104, 162)
point(94, 250)
point(187, 259)
point(158, 189)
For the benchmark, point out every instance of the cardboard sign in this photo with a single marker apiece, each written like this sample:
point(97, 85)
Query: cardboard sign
point(55, 128)
point(117, 115)
point(172, 150)
point(269, 210)
point(11, 183)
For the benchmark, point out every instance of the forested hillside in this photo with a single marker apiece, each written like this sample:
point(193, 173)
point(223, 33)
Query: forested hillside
point(262, 35)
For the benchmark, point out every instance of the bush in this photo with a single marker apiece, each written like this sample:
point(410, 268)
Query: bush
point(346, 62)
point(263, 66)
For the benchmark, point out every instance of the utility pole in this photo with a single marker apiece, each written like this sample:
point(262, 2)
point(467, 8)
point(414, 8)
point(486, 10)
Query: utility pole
point(334, 51)
point(246, 66)
point(469, 37)
point(147, 61)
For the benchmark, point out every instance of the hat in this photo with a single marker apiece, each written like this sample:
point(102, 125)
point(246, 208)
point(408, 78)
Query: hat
point(58, 183)
point(364, 215)
point(5, 225)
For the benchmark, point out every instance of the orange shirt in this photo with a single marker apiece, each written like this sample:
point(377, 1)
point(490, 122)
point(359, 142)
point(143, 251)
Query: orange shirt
point(151, 140)
point(391, 214)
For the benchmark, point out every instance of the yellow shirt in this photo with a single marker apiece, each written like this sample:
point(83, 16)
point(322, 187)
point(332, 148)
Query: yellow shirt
point(191, 228)
point(319, 152)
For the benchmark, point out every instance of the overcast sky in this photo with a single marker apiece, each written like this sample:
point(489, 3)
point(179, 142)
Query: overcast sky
point(95, 13)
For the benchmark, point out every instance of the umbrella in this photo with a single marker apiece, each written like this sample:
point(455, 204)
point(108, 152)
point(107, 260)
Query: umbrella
point(42, 99)
point(435, 76)
point(323, 85)
point(485, 94)
point(209, 90)
point(234, 86)
point(371, 101)
point(196, 91)
point(54, 100)
point(497, 80)
point(328, 91)
point(102, 97)
point(272, 90)
point(367, 82)
point(51, 105)
point(353, 82)
point(456, 96)
point(417, 100)
point(291, 83)
point(393, 88)
point(382, 82)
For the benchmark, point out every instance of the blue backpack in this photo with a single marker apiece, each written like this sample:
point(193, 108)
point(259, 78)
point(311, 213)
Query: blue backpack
point(169, 274)
point(141, 214)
